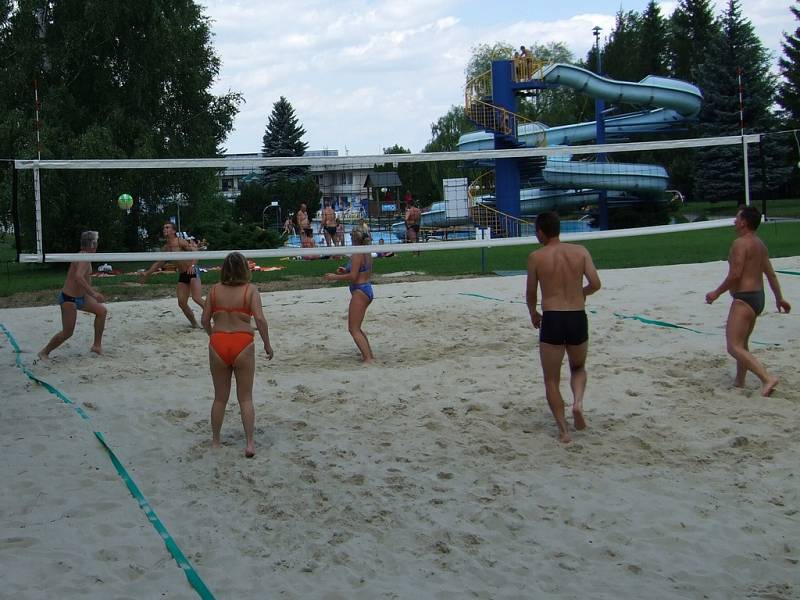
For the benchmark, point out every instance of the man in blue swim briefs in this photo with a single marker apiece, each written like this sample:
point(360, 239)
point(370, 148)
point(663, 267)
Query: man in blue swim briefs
point(78, 294)
point(559, 269)
point(748, 262)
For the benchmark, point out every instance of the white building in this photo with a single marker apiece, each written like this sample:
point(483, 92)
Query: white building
point(342, 185)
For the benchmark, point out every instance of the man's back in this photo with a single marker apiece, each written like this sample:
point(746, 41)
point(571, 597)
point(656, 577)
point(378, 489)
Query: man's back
point(754, 256)
point(560, 269)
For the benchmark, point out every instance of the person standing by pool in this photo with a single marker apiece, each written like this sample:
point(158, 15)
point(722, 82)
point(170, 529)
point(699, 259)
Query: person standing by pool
point(748, 263)
point(559, 269)
point(303, 223)
point(78, 294)
point(188, 275)
point(358, 272)
point(412, 218)
point(328, 224)
point(231, 350)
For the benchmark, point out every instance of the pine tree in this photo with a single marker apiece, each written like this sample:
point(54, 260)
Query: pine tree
point(652, 43)
point(620, 58)
point(789, 89)
point(283, 137)
point(692, 30)
point(736, 53)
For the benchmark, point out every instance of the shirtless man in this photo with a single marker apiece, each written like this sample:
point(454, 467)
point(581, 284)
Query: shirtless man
point(78, 294)
point(328, 224)
point(559, 269)
point(412, 218)
point(748, 262)
point(188, 277)
point(303, 223)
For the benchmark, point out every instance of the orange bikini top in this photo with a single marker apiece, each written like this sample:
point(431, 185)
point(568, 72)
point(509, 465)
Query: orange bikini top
point(244, 308)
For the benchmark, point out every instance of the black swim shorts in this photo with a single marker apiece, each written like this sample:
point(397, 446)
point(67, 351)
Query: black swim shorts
point(564, 327)
point(186, 277)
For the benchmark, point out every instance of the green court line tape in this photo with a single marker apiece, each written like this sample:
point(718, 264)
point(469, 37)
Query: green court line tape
point(169, 541)
point(639, 318)
point(482, 297)
point(509, 273)
point(657, 323)
point(787, 272)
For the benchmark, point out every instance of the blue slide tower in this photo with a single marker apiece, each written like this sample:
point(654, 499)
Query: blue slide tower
point(491, 104)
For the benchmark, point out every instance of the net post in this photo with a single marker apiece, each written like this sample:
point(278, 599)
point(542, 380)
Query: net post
point(763, 164)
point(37, 193)
point(15, 208)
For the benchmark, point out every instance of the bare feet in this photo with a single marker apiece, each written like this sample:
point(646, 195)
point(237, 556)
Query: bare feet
point(215, 445)
point(96, 349)
point(249, 452)
point(739, 383)
point(769, 386)
point(577, 417)
point(43, 355)
point(564, 438)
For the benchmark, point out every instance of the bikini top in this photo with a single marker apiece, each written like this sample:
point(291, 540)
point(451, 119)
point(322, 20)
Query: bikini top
point(244, 308)
point(362, 269)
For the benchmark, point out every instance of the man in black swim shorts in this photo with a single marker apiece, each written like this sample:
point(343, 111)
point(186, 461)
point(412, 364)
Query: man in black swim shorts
point(559, 269)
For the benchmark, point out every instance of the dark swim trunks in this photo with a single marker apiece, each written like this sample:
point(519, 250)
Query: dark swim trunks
point(186, 277)
point(414, 228)
point(754, 300)
point(77, 300)
point(564, 327)
point(309, 232)
point(331, 231)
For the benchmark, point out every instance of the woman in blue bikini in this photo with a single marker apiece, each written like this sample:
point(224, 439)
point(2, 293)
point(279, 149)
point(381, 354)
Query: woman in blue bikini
point(357, 272)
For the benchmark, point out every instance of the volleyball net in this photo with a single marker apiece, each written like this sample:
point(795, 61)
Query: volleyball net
point(250, 203)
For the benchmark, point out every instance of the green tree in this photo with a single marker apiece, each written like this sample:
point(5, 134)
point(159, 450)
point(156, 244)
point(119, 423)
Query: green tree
point(283, 137)
point(652, 43)
point(416, 177)
point(482, 55)
point(118, 81)
point(288, 193)
point(789, 88)
point(445, 133)
point(736, 53)
point(692, 29)
point(621, 59)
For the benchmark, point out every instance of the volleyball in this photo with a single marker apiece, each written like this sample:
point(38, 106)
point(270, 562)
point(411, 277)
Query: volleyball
point(125, 201)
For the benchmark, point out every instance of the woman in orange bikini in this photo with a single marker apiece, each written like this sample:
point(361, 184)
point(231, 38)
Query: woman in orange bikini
point(231, 349)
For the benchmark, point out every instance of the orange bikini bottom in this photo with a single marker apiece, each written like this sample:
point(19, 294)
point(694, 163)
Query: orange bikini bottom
point(229, 344)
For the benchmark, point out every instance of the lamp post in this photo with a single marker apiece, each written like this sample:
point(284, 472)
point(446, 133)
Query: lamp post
point(600, 130)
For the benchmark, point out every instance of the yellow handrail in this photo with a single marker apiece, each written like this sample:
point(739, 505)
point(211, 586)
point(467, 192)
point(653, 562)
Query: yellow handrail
point(474, 186)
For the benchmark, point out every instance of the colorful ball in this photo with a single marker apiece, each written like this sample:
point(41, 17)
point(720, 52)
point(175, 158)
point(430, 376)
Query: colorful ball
point(125, 201)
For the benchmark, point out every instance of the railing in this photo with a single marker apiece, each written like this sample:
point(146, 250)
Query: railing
point(526, 67)
point(501, 224)
point(482, 184)
point(494, 118)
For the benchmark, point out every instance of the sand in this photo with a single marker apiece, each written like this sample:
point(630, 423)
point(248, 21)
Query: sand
point(434, 473)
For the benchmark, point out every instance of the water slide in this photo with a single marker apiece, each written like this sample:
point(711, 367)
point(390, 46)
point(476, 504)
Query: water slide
point(675, 101)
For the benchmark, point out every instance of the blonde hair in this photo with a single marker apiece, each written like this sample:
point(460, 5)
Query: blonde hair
point(89, 240)
point(235, 270)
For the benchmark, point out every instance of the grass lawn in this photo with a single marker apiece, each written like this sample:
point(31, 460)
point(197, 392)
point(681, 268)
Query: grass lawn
point(788, 207)
point(25, 284)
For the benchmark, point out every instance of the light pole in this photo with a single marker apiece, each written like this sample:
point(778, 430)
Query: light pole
point(600, 130)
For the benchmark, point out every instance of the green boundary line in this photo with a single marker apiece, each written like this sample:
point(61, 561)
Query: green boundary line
point(787, 272)
point(169, 542)
point(645, 320)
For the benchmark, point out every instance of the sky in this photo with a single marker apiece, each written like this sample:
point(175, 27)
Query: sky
point(363, 75)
